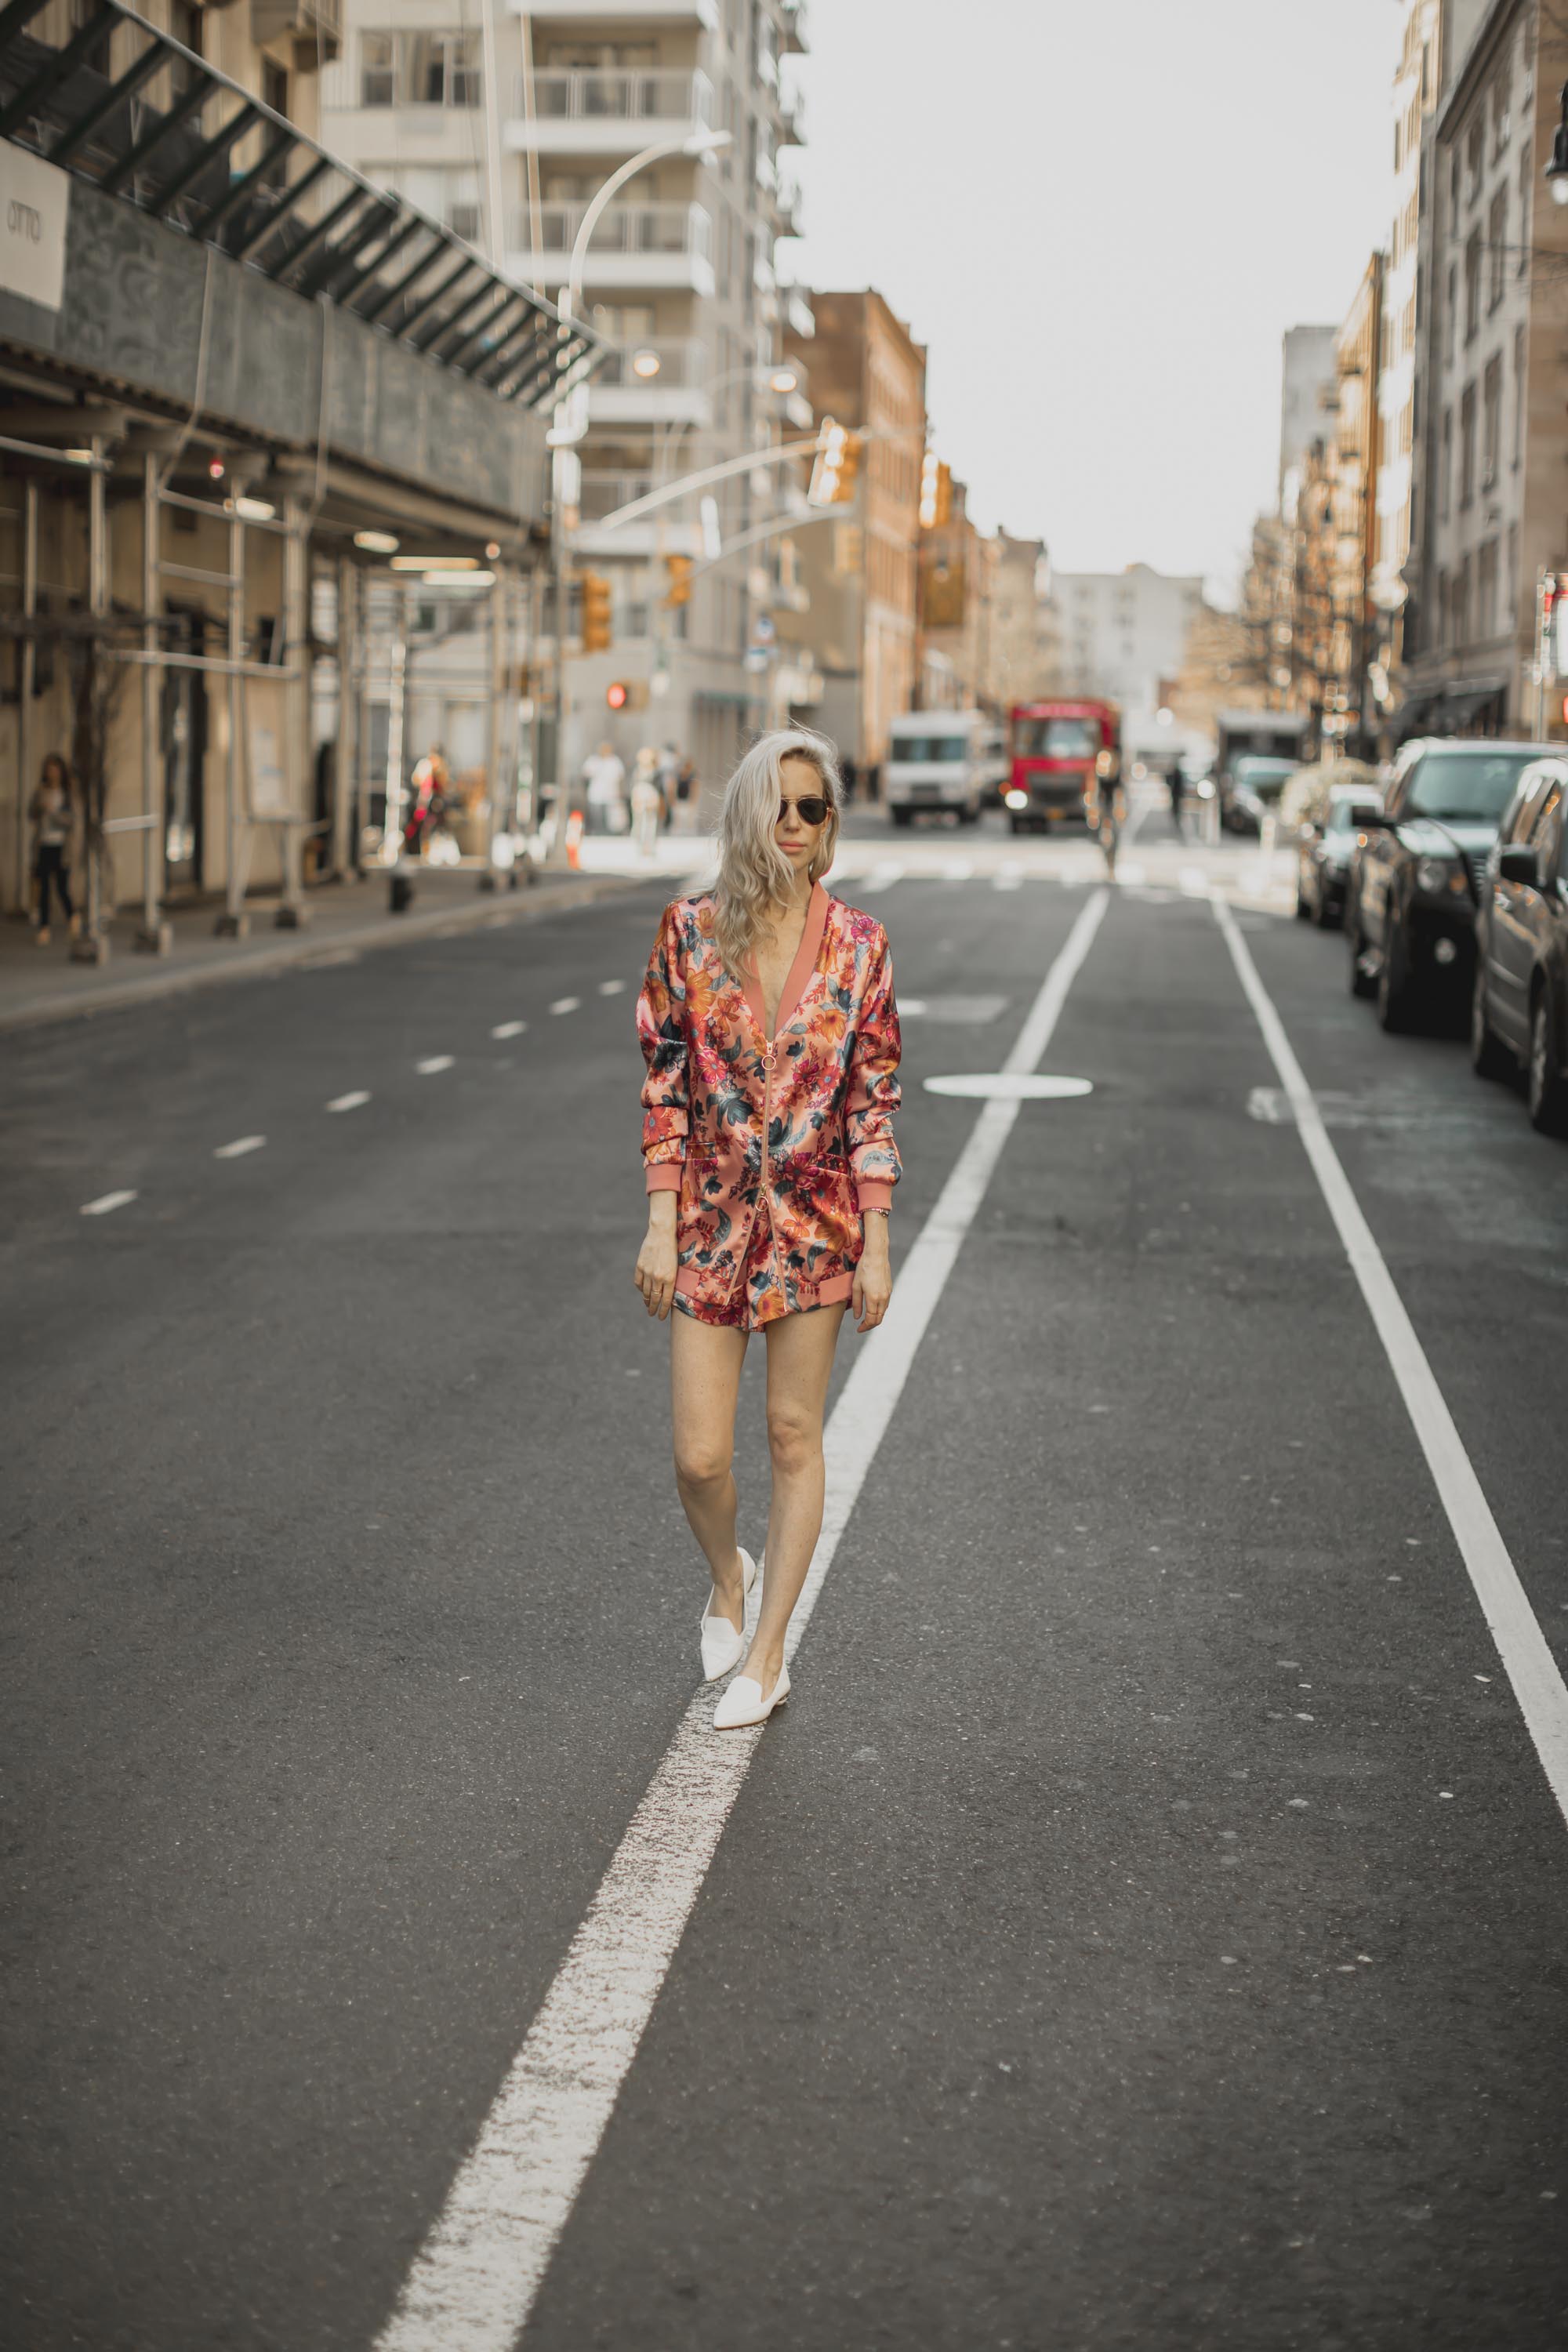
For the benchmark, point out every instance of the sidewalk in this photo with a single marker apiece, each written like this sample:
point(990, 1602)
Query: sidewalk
point(41, 985)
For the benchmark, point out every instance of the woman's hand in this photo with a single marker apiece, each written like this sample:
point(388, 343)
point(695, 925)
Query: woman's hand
point(657, 1260)
point(873, 1276)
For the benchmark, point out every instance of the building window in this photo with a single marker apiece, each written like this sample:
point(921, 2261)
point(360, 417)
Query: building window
point(1502, 124)
point(1486, 589)
point(1475, 150)
point(1497, 237)
point(1446, 476)
point(377, 69)
point(1462, 603)
point(1525, 191)
point(1454, 190)
point(419, 70)
point(1491, 422)
point(1451, 320)
point(1467, 445)
point(1518, 397)
point(186, 25)
point(97, 58)
point(1510, 587)
point(1472, 285)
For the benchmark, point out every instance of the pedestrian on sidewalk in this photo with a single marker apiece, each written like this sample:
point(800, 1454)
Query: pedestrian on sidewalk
point(647, 802)
point(686, 795)
point(52, 814)
point(603, 773)
point(769, 1031)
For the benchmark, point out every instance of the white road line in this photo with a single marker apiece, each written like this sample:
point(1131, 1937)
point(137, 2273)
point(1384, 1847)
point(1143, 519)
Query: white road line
point(611, 987)
point(474, 2282)
point(957, 869)
point(882, 876)
point(241, 1145)
point(566, 1004)
point(1531, 1667)
point(356, 1101)
point(433, 1063)
point(105, 1201)
point(509, 1029)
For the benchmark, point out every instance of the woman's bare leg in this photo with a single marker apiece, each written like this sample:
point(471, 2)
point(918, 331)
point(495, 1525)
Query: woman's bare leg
point(800, 1361)
point(705, 1360)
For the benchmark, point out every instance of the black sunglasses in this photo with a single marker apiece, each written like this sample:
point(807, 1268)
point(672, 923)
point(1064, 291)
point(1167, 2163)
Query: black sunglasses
point(813, 809)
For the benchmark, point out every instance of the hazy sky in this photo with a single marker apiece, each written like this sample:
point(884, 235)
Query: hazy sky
point(1100, 217)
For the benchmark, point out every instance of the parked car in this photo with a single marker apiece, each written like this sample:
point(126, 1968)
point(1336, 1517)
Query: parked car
point(1326, 843)
point(1252, 791)
point(1415, 875)
point(1305, 799)
point(1519, 1010)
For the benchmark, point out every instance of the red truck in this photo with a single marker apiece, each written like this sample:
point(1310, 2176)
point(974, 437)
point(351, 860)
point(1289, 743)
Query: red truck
point(1058, 749)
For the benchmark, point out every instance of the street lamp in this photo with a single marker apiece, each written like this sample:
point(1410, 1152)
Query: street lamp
point(571, 422)
point(1557, 169)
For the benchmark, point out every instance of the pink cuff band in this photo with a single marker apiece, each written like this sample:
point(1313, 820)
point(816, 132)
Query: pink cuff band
point(873, 1196)
point(664, 1176)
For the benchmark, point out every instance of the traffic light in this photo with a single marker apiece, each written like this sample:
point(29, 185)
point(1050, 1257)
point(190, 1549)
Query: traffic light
point(936, 492)
point(678, 588)
point(837, 463)
point(616, 695)
point(596, 594)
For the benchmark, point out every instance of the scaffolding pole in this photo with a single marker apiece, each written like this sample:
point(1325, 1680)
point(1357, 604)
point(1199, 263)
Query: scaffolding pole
point(156, 936)
point(291, 915)
point(29, 672)
point(346, 759)
point(233, 922)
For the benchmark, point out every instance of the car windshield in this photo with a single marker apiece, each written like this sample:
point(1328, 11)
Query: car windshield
point(1465, 786)
point(928, 749)
point(1056, 739)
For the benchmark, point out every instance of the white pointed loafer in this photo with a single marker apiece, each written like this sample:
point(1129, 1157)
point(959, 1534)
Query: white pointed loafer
point(722, 1646)
point(743, 1702)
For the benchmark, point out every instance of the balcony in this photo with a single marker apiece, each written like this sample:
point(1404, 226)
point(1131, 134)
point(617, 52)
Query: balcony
point(663, 249)
point(588, 113)
point(785, 208)
point(790, 109)
point(677, 393)
point(701, 13)
point(793, 24)
point(314, 26)
point(668, 533)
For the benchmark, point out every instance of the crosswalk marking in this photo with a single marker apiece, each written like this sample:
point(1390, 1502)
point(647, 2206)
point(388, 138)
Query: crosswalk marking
point(239, 1147)
point(105, 1202)
point(433, 1063)
point(355, 1101)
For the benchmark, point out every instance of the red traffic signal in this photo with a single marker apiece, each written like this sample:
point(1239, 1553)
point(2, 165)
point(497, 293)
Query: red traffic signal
point(616, 695)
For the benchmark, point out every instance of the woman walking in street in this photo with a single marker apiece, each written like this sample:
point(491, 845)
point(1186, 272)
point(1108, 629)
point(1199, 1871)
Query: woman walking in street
point(769, 1031)
point(52, 810)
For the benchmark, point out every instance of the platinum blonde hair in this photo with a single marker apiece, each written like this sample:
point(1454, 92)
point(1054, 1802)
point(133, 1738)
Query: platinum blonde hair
point(754, 874)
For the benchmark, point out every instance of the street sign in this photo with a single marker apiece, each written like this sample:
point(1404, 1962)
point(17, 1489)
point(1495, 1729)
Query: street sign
point(35, 200)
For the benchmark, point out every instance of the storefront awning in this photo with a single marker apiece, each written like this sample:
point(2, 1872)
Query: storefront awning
point(224, 170)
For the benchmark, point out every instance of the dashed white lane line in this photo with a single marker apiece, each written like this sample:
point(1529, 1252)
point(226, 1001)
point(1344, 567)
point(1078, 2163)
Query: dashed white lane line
point(883, 875)
point(356, 1101)
point(1531, 1667)
point(509, 1029)
point(475, 2280)
point(611, 987)
point(957, 869)
point(239, 1147)
point(105, 1202)
point(566, 1004)
point(433, 1063)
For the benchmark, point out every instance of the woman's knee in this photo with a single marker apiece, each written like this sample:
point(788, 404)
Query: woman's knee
point(794, 1438)
point(702, 1462)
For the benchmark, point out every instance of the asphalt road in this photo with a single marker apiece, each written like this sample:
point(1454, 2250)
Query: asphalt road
point(1145, 1927)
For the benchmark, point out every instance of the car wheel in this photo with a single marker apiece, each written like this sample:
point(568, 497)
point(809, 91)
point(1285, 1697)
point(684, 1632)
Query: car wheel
point(1489, 1058)
point(1015, 821)
point(1395, 991)
point(1548, 1093)
point(1360, 984)
point(900, 815)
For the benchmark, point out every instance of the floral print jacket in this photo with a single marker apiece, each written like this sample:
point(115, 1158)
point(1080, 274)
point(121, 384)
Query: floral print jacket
point(776, 1145)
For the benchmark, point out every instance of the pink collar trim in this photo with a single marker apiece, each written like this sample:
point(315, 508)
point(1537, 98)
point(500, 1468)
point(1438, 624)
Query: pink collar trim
point(800, 971)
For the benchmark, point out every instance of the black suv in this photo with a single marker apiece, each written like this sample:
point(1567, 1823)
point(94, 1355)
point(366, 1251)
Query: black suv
point(1416, 875)
point(1520, 1009)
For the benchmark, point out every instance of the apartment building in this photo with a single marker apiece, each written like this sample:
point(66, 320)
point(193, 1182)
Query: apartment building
point(1123, 636)
point(1306, 399)
point(1334, 624)
point(240, 387)
point(1025, 628)
point(1489, 516)
point(507, 126)
point(859, 563)
point(1407, 297)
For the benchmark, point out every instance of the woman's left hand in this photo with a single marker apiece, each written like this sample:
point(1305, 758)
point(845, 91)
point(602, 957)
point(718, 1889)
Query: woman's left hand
point(873, 1284)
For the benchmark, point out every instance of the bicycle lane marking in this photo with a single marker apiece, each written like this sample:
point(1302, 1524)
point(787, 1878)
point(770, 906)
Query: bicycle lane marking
point(1522, 1645)
point(474, 2282)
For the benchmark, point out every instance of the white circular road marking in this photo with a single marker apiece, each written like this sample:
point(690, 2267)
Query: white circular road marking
point(1009, 1086)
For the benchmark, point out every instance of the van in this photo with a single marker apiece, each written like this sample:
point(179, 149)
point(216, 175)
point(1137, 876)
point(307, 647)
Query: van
point(938, 759)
